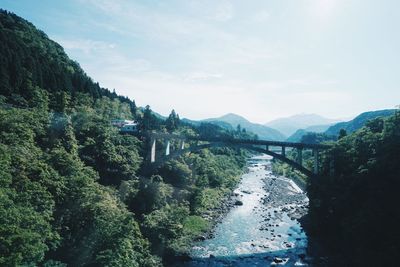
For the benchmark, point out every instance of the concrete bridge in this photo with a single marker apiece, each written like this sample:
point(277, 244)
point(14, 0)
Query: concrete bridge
point(163, 147)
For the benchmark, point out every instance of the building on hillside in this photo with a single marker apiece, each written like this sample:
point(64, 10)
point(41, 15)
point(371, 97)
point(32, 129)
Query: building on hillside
point(129, 128)
point(121, 123)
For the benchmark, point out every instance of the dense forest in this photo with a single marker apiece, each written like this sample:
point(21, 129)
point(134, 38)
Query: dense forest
point(76, 192)
point(356, 211)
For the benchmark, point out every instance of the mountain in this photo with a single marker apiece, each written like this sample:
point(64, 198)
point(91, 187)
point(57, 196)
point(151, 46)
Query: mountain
point(359, 121)
point(296, 137)
point(318, 128)
point(289, 125)
point(263, 132)
point(222, 124)
point(349, 126)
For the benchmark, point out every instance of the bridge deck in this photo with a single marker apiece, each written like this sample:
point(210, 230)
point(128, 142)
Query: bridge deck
point(242, 141)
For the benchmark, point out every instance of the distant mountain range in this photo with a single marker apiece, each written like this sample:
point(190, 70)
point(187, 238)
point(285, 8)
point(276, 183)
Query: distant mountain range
point(350, 126)
point(359, 121)
point(296, 137)
point(290, 125)
point(297, 125)
point(222, 124)
point(230, 122)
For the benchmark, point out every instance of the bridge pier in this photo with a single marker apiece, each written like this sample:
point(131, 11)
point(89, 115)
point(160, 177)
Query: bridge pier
point(153, 150)
point(316, 161)
point(300, 156)
point(332, 168)
point(167, 148)
point(183, 145)
point(255, 145)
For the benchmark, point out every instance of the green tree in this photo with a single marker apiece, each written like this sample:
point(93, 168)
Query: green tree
point(342, 133)
point(173, 121)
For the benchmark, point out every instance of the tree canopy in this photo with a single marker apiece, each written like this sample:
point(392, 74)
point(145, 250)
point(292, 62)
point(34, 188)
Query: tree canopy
point(73, 190)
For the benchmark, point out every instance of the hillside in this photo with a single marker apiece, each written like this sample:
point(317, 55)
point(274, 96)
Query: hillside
point(355, 212)
point(296, 137)
point(350, 126)
point(290, 125)
point(30, 58)
point(359, 121)
point(225, 125)
point(76, 192)
point(318, 128)
point(262, 131)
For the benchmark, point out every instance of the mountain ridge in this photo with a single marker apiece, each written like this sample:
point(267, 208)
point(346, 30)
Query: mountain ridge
point(359, 121)
point(289, 125)
point(350, 126)
point(230, 121)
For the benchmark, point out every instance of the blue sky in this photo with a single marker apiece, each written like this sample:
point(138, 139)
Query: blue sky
point(262, 59)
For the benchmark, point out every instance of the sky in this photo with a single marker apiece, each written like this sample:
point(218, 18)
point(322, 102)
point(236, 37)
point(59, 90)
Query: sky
point(262, 59)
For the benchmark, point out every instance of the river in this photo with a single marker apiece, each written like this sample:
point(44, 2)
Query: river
point(264, 230)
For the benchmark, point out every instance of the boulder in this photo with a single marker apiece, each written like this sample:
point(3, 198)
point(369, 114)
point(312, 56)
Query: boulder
point(278, 260)
point(238, 203)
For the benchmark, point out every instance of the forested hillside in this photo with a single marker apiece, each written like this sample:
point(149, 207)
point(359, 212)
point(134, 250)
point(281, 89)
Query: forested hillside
point(358, 122)
point(73, 190)
point(356, 211)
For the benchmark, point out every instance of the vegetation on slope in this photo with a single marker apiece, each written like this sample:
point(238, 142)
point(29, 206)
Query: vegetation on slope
point(73, 190)
point(359, 121)
point(356, 211)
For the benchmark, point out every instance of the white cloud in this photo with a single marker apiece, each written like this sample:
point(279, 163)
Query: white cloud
point(324, 9)
point(261, 16)
point(201, 76)
point(85, 45)
point(207, 58)
point(224, 11)
point(107, 6)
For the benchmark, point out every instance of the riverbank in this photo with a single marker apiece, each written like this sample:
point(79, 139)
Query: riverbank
point(212, 217)
point(215, 215)
point(263, 230)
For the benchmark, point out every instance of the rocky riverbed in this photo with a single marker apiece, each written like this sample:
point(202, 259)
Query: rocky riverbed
point(261, 226)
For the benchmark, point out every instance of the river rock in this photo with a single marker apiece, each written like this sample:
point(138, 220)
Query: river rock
point(201, 238)
point(238, 203)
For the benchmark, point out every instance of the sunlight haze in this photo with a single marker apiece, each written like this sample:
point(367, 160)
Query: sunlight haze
point(260, 59)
